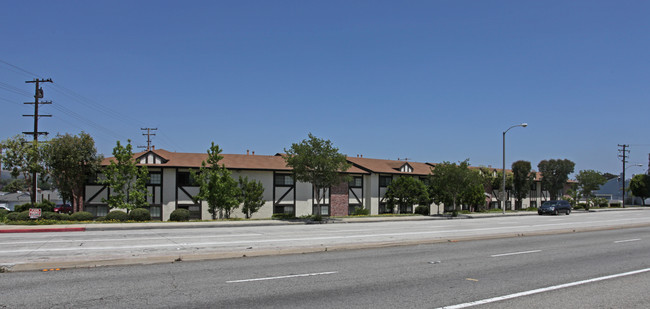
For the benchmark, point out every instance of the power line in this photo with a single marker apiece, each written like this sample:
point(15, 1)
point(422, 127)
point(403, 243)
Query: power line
point(86, 102)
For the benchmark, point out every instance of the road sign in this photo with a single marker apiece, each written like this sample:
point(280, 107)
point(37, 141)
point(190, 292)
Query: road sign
point(34, 213)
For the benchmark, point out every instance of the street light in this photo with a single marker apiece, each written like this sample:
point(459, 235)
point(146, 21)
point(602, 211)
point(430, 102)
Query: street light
point(503, 188)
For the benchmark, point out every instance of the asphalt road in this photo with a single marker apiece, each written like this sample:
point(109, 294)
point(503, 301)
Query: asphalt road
point(598, 265)
point(116, 247)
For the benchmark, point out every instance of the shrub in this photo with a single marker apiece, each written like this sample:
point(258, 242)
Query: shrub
point(44, 206)
point(360, 211)
point(116, 215)
point(3, 214)
point(63, 217)
point(180, 214)
point(18, 216)
point(422, 210)
point(283, 216)
point(140, 214)
point(48, 215)
point(82, 216)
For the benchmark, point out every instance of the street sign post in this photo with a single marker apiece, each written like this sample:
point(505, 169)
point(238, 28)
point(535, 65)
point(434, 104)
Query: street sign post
point(34, 213)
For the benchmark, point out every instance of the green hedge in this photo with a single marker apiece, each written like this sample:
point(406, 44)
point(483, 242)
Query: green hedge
point(180, 215)
point(360, 211)
point(422, 210)
point(82, 216)
point(44, 206)
point(283, 216)
point(18, 216)
point(140, 214)
point(116, 215)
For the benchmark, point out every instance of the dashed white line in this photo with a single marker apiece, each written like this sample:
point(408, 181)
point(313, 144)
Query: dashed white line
point(542, 290)
point(627, 240)
point(515, 253)
point(282, 277)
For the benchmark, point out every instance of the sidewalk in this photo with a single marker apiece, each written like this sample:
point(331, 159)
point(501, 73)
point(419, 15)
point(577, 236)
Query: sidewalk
point(213, 224)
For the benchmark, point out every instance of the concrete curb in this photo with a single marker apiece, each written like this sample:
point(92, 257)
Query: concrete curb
point(43, 230)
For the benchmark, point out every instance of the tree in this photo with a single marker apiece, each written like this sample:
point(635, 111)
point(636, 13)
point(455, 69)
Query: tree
point(24, 158)
point(127, 181)
point(252, 195)
point(452, 183)
point(216, 186)
point(406, 191)
point(15, 185)
point(573, 195)
point(71, 159)
point(640, 186)
point(316, 161)
point(588, 181)
point(522, 179)
point(474, 196)
point(555, 174)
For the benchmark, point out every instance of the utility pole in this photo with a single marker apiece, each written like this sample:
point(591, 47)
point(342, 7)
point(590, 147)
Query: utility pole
point(38, 94)
point(148, 134)
point(623, 154)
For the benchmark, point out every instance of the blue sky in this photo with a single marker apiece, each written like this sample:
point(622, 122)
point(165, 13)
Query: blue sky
point(431, 81)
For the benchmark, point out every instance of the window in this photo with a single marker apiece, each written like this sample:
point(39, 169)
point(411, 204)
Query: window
point(356, 182)
point(384, 181)
point(283, 180)
point(155, 179)
point(184, 179)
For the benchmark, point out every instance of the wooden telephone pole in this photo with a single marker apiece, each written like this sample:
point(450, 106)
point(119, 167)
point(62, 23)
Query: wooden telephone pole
point(148, 134)
point(38, 94)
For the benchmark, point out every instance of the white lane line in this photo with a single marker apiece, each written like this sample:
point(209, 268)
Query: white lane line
point(515, 253)
point(542, 290)
point(627, 240)
point(282, 277)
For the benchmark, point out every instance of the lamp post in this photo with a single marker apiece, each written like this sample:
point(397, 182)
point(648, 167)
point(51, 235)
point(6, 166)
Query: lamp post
point(503, 187)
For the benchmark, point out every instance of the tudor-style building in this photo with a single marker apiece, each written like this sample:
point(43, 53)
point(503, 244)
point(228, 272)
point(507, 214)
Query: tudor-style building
point(170, 186)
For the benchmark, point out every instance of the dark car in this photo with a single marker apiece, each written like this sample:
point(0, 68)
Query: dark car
point(63, 208)
point(554, 207)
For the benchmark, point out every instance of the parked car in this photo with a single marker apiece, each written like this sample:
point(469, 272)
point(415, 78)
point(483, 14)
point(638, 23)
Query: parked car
point(4, 207)
point(63, 208)
point(554, 207)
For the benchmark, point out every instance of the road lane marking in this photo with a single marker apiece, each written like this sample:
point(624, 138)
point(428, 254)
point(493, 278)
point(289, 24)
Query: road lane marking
point(516, 253)
point(542, 290)
point(471, 279)
point(282, 277)
point(627, 240)
point(252, 242)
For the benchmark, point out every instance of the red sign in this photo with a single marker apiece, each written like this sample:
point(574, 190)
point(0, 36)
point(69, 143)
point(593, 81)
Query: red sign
point(34, 213)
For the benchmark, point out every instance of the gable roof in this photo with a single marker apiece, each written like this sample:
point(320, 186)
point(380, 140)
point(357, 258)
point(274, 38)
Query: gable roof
point(231, 161)
point(390, 166)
